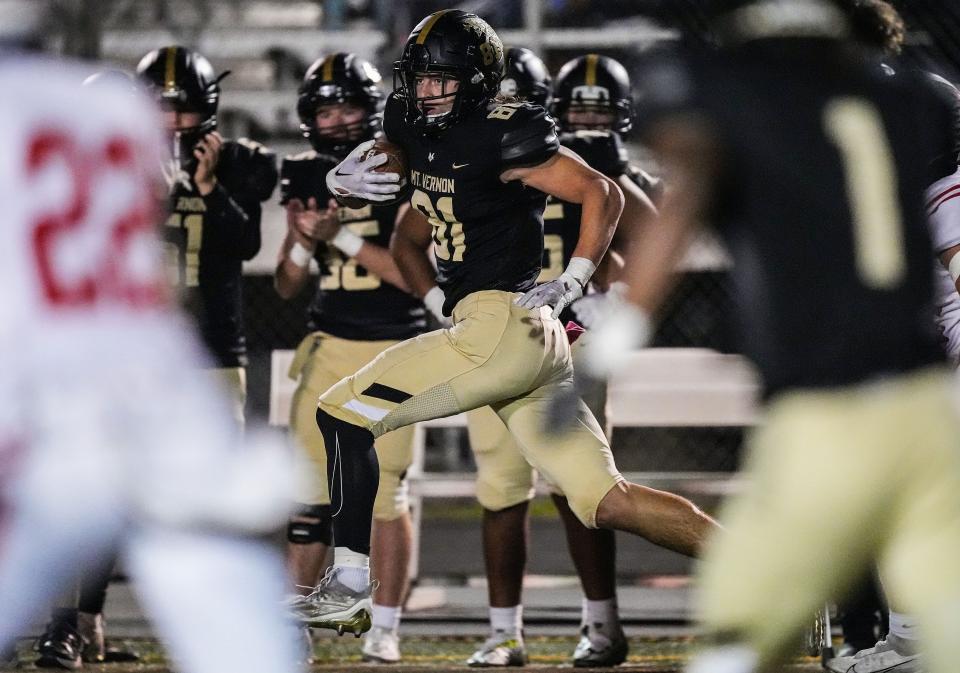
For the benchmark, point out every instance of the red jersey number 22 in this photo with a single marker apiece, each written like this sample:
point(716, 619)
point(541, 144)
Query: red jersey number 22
point(110, 276)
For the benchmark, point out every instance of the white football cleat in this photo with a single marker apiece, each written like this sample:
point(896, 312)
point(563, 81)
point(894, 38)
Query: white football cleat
point(381, 645)
point(498, 651)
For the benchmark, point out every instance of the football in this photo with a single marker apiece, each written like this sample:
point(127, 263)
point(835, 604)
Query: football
point(396, 163)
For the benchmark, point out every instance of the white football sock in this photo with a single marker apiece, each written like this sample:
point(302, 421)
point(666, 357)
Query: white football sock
point(352, 568)
point(903, 626)
point(507, 620)
point(387, 617)
point(602, 616)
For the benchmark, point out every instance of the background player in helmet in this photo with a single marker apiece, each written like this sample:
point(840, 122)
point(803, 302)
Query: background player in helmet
point(505, 480)
point(216, 187)
point(479, 171)
point(593, 93)
point(360, 308)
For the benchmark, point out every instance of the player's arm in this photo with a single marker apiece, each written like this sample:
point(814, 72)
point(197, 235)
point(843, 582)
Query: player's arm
point(567, 177)
point(373, 257)
point(296, 251)
point(688, 151)
point(233, 209)
point(638, 214)
point(410, 246)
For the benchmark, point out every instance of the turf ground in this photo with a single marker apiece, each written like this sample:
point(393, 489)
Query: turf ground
point(430, 654)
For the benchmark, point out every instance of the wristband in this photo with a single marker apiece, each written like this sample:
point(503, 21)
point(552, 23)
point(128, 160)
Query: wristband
point(300, 255)
point(347, 242)
point(580, 269)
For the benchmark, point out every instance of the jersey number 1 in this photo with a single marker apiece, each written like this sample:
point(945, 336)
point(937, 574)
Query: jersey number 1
point(856, 128)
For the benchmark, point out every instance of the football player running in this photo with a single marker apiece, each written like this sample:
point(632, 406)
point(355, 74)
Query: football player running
point(595, 100)
point(480, 170)
point(832, 270)
point(108, 439)
point(878, 27)
point(360, 309)
point(215, 189)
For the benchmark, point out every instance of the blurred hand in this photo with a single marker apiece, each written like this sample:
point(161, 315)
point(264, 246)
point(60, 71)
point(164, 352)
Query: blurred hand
point(316, 224)
point(207, 153)
point(593, 309)
point(613, 338)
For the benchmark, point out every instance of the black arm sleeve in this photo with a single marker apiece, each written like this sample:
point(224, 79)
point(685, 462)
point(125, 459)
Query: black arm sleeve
point(529, 137)
point(236, 225)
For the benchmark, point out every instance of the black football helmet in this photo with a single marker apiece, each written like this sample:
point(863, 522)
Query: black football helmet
point(526, 77)
point(593, 83)
point(184, 81)
point(457, 46)
point(339, 78)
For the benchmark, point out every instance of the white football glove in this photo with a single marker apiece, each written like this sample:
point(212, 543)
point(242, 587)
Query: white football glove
point(592, 309)
point(559, 293)
point(434, 300)
point(355, 178)
point(611, 340)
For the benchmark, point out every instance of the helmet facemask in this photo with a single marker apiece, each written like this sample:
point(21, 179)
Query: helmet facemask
point(337, 139)
point(458, 90)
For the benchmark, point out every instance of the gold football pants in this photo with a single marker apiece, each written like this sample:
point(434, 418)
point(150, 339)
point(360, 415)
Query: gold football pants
point(840, 479)
point(504, 477)
point(497, 354)
point(320, 361)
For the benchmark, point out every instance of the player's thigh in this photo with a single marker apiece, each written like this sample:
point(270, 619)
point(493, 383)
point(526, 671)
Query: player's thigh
point(395, 455)
point(504, 477)
point(808, 522)
point(578, 461)
point(918, 563)
point(495, 350)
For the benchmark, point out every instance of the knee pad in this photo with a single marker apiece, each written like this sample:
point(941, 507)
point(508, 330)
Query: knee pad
point(318, 529)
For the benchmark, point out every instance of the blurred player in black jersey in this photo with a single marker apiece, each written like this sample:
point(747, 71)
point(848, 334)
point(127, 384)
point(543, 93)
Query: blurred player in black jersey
point(479, 169)
point(361, 307)
point(813, 166)
point(505, 480)
point(216, 188)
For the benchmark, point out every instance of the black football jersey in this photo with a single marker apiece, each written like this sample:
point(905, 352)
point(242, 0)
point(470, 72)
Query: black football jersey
point(351, 302)
point(209, 237)
point(488, 235)
point(820, 202)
